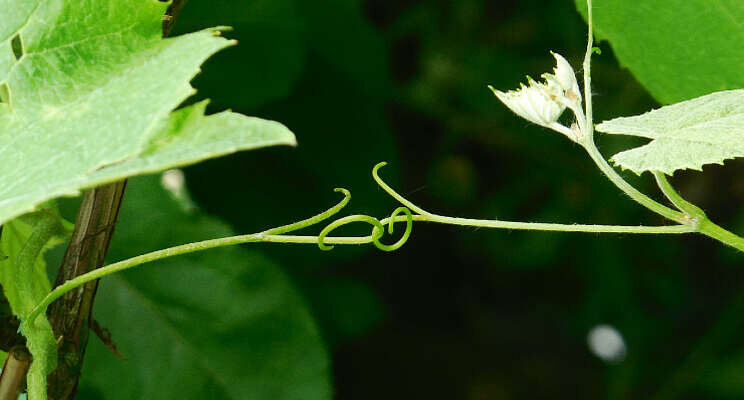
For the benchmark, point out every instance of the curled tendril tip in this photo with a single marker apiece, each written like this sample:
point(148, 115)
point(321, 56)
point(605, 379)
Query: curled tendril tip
point(406, 234)
point(378, 228)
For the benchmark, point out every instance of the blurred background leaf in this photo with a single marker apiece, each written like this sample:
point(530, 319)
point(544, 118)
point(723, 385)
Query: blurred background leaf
point(678, 49)
point(223, 324)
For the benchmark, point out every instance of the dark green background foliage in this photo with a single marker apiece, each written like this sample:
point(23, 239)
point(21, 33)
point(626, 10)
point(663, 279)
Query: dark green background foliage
point(456, 313)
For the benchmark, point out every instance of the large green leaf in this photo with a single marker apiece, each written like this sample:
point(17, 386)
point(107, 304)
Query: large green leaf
point(86, 85)
point(690, 134)
point(220, 324)
point(678, 49)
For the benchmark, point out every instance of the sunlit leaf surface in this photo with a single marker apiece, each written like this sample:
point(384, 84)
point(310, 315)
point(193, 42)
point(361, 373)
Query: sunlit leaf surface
point(87, 88)
point(686, 135)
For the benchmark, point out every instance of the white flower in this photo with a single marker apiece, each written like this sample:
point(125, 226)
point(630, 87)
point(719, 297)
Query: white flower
point(543, 103)
point(533, 103)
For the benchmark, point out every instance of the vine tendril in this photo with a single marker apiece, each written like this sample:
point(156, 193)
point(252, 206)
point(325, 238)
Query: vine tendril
point(279, 235)
point(406, 234)
point(315, 219)
point(392, 192)
point(377, 230)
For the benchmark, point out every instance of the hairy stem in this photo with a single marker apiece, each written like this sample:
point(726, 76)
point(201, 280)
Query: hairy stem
point(541, 226)
point(277, 235)
point(587, 138)
point(708, 228)
point(535, 226)
point(699, 220)
point(691, 210)
point(690, 215)
point(629, 189)
point(588, 128)
point(264, 237)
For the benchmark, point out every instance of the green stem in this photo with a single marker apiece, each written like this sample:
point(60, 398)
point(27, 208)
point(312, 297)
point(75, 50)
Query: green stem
point(541, 226)
point(691, 210)
point(392, 192)
point(44, 228)
point(278, 235)
point(699, 220)
point(270, 236)
point(627, 188)
point(587, 139)
point(708, 228)
point(588, 128)
point(175, 251)
point(315, 219)
point(426, 216)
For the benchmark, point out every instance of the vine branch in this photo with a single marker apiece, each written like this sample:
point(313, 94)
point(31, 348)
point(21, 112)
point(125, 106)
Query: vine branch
point(698, 220)
point(689, 215)
point(325, 242)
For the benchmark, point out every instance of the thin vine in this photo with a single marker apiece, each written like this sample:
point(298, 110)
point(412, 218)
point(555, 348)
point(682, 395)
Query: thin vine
point(325, 242)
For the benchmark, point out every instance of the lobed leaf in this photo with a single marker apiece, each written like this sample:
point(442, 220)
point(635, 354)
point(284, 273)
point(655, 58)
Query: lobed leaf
point(86, 92)
point(686, 135)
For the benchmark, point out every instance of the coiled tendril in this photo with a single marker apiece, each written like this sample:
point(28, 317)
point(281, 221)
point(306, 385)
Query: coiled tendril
point(378, 229)
point(277, 235)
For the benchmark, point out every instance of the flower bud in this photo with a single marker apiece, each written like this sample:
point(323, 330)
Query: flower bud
point(565, 75)
point(543, 103)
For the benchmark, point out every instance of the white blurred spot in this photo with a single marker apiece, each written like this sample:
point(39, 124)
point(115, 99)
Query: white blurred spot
point(607, 343)
point(173, 180)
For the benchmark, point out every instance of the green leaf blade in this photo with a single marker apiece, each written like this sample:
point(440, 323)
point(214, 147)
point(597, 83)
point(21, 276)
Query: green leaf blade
point(15, 14)
point(188, 136)
point(93, 87)
point(677, 49)
point(87, 90)
point(686, 135)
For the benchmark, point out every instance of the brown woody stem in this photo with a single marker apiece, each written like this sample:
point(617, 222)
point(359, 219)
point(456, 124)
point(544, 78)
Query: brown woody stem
point(71, 316)
point(13, 377)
